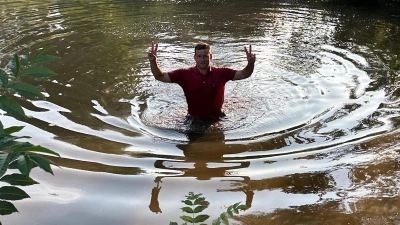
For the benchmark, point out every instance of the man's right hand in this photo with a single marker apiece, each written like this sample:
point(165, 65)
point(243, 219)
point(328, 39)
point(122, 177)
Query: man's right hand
point(152, 55)
point(155, 69)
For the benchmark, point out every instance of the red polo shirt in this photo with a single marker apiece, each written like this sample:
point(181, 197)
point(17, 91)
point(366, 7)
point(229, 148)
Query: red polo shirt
point(204, 93)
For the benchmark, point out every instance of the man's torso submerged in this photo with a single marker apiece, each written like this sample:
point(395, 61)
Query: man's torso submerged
point(204, 93)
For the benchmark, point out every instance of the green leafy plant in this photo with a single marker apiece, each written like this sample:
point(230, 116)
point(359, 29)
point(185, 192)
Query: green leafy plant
point(196, 204)
point(22, 156)
point(230, 211)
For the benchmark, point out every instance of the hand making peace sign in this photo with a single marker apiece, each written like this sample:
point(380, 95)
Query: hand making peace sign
point(152, 55)
point(251, 58)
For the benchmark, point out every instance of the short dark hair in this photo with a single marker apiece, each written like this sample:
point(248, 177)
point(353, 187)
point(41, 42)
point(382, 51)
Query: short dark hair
point(201, 46)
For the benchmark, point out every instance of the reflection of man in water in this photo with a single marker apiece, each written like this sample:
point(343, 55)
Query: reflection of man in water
point(203, 150)
point(202, 84)
point(154, 204)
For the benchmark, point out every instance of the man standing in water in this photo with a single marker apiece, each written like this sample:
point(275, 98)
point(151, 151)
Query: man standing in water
point(203, 84)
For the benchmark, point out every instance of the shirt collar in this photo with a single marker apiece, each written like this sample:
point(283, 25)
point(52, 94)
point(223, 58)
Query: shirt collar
point(208, 71)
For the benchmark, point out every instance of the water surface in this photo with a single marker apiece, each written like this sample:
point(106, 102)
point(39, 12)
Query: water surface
point(310, 138)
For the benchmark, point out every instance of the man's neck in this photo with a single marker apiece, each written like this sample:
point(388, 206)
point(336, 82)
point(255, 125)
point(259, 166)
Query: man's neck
point(204, 71)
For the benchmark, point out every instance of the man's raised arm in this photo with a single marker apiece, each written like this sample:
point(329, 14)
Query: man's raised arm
point(248, 70)
point(155, 69)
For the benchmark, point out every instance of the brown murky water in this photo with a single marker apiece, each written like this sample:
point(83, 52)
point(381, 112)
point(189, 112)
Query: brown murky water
point(311, 138)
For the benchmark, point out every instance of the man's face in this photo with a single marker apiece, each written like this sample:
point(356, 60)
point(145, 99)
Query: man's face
point(202, 58)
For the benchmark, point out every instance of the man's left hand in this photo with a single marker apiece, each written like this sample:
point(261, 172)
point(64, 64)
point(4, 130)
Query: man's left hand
point(251, 58)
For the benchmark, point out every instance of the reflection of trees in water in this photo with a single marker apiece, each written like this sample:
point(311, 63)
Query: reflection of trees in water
point(299, 183)
point(370, 196)
point(379, 206)
point(370, 211)
point(306, 183)
point(381, 178)
point(96, 167)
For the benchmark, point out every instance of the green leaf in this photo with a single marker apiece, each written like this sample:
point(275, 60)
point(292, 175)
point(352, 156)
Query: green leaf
point(199, 209)
point(173, 223)
point(1, 128)
point(4, 161)
point(15, 65)
point(217, 222)
point(224, 218)
point(236, 211)
point(229, 213)
point(187, 219)
point(37, 71)
point(243, 207)
point(7, 141)
point(201, 218)
point(18, 179)
point(13, 129)
point(26, 90)
point(7, 208)
point(187, 209)
point(11, 107)
point(44, 49)
point(38, 149)
point(199, 200)
point(3, 78)
point(12, 193)
point(18, 148)
point(188, 202)
point(42, 163)
point(14, 165)
point(43, 59)
point(24, 164)
point(193, 196)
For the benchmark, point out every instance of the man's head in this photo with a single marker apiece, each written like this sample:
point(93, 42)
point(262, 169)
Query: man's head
point(201, 46)
point(202, 55)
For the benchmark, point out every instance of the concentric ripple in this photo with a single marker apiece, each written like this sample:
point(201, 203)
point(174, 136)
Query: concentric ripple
point(331, 101)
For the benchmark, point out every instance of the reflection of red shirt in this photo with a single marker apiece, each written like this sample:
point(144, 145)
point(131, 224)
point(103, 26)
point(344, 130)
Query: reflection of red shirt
point(204, 93)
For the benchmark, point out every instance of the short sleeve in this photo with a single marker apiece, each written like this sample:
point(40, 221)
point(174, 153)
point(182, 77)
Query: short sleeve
point(177, 76)
point(228, 73)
